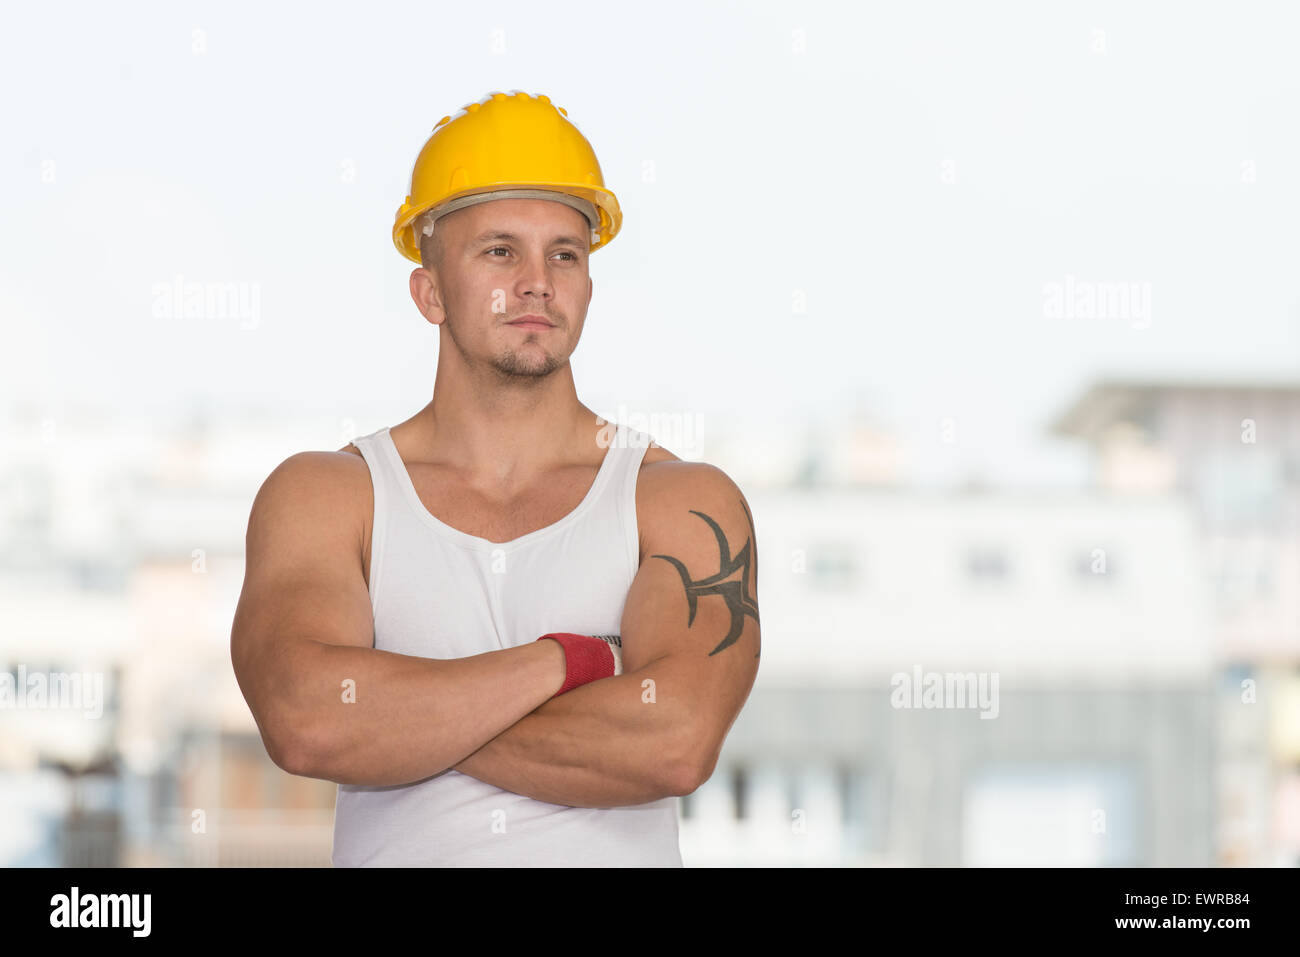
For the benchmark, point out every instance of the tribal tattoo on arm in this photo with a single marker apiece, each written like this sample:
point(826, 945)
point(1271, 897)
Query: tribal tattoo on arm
point(730, 582)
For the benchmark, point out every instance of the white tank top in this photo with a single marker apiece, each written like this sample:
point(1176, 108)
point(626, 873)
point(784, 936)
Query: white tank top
point(438, 592)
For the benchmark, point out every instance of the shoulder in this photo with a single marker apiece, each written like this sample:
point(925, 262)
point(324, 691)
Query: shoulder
point(324, 469)
point(317, 468)
point(679, 501)
point(666, 481)
point(665, 477)
point(313, 484)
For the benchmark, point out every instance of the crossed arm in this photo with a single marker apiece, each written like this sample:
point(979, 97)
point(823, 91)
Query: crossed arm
point(690, 634)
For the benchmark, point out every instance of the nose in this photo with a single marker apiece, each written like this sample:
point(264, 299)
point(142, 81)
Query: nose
point(535, 280)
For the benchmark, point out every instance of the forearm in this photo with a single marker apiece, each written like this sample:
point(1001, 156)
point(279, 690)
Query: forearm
point(610, 743)
point(371, 717)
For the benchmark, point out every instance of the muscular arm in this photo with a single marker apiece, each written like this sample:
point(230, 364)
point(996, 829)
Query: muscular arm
point(690, 633)
point(327, 703)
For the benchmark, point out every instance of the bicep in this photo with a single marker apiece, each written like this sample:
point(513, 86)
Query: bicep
point(695, 596)
point(302, 578)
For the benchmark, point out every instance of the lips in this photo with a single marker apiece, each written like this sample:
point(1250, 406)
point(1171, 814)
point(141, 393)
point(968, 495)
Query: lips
point(532, 322)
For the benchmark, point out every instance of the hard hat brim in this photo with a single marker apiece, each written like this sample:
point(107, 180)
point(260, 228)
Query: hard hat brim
point(604, 201)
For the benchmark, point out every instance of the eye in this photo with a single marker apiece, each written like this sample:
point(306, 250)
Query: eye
point(573, 257)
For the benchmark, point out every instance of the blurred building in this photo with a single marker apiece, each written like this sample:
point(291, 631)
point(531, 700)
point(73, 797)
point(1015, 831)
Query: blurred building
point(1094, 747)
point(124, 558)
point(1232, 449)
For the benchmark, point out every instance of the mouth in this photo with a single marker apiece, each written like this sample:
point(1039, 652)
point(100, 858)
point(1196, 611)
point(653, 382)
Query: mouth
point(532, 322)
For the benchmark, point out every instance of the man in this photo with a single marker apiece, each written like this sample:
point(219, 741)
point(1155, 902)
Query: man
point(397, 591)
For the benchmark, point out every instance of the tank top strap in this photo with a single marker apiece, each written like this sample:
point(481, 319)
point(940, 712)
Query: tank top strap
point(373, 451)
point(630, 449)
point(387, 491)
point(630, 446)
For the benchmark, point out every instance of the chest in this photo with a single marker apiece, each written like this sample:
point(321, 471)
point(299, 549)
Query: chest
point(501, 518)
point(496, 518)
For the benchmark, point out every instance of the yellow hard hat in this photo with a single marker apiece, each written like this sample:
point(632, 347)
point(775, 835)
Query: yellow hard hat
point(505, 146)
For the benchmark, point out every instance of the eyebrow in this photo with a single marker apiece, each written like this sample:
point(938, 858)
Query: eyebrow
point(498, 236)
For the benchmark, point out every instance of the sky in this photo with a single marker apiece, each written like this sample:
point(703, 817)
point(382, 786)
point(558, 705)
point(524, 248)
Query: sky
point(829, 208)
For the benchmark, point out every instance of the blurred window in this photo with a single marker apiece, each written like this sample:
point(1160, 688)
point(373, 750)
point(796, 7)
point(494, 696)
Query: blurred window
point(987, 564)
point(833, 566)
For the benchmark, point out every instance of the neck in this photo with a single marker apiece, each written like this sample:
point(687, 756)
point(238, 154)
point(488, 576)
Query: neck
point(504, 434)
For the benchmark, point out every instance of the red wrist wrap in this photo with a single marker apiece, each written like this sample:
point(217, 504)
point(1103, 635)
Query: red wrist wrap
point(585, 659)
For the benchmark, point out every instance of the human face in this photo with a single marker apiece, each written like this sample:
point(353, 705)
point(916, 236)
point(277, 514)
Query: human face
point(507, 259)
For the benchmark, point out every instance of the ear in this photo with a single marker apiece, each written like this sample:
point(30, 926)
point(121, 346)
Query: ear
point(427, 296)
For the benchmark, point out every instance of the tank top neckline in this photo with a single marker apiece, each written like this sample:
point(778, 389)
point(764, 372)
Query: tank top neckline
point(465, 539)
